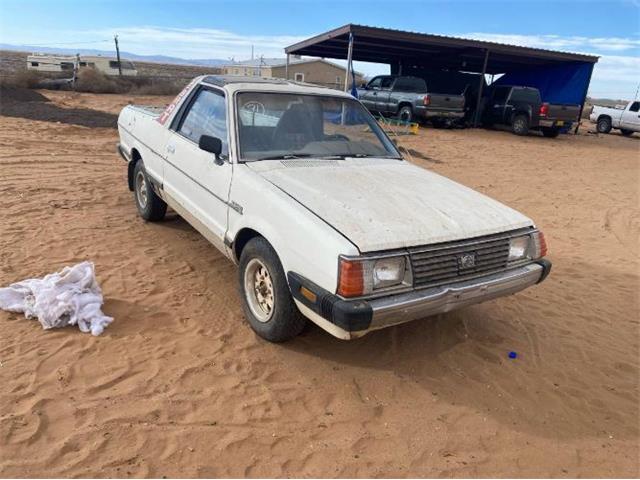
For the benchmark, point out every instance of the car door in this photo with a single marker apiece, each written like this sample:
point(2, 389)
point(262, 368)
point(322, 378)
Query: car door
point(369, 95)
point(384, 101)
point(631, 117)
point(193, 179)
point(495, 111)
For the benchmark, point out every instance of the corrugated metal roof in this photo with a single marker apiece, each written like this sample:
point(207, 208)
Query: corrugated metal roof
point(384, 45)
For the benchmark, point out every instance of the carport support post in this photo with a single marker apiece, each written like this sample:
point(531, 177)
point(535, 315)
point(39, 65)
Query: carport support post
point(349, 66)
point(476, 116)
point(584, 99)
point(286, 68)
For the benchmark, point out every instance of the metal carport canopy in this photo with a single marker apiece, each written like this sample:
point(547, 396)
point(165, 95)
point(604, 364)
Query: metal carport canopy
point(383, 45)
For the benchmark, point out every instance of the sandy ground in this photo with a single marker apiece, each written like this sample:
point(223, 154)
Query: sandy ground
point(180, 386)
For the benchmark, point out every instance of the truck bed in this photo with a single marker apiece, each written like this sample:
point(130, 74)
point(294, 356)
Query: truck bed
point(148, 110)
point(446, 102)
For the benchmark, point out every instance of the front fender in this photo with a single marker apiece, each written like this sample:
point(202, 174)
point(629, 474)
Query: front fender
point(304, 243)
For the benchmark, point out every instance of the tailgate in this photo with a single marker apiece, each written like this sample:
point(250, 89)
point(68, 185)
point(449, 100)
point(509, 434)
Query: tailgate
point(565, 113)
point(446, 102)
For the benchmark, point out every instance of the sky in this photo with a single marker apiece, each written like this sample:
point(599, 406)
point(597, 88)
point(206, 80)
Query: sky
point(228, 29)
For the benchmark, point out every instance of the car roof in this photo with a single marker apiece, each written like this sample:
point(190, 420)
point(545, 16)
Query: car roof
point(234, 83)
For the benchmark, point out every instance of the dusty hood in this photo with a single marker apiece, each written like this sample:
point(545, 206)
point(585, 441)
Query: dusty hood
point(386, 204)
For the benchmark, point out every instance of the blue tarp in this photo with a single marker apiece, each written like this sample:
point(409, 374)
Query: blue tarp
point(564, 84)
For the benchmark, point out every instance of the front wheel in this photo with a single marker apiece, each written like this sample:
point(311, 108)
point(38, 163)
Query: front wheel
point(520, 125)
point(266, 299)
point(626, 133)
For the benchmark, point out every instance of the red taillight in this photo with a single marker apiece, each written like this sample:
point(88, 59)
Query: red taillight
point(426, 100)
point(544, 109)
point(350, 279)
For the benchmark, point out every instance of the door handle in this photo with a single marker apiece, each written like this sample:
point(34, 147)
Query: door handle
point(171, 148)
point(375, 93)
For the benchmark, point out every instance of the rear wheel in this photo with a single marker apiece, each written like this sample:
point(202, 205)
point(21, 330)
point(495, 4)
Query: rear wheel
point(266, 299)
point(520, 125)
point(150, 206)
point(604, 125)
point(626, 133)
point(405, 113)
point(550, 132)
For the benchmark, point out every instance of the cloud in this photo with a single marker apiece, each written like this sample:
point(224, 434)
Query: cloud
point(197, 42)
point(573, 43)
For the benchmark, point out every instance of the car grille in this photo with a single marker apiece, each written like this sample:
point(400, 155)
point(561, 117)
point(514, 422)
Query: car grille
point(451, 261)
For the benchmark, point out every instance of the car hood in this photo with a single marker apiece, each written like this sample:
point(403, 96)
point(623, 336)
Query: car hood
point(381, 204)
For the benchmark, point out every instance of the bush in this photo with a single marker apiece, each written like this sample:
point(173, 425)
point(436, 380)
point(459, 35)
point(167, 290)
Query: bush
point(93, 81)
point(21, 79)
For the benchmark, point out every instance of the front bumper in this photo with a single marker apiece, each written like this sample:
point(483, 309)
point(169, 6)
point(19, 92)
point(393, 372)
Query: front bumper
point(361, 316)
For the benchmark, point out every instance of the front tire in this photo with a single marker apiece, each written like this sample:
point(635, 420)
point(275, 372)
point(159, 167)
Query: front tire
point(150, 206)
point(604, 125)
point(266, 299)
point(520, 125)
point(625, 132)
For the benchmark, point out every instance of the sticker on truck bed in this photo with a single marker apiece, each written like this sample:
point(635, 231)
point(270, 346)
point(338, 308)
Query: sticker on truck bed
point(176, 101)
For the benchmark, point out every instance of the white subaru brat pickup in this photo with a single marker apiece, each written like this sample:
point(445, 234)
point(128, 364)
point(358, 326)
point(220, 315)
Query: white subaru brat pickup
point(304, 191)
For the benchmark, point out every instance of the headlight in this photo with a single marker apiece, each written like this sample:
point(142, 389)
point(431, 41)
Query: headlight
point(530, 247)
point(362, 276)
point(519, 248)
point(388, 272)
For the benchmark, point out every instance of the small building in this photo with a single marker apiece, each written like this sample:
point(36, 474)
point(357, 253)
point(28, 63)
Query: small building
point(65, 63)
point(313, 70)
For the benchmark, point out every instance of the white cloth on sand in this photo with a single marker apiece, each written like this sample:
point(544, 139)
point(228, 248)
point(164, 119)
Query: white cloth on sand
point(69, 297)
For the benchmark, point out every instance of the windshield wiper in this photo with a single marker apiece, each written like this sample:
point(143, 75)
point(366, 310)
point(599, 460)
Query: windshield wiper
point(286, 156)
point(365, 155)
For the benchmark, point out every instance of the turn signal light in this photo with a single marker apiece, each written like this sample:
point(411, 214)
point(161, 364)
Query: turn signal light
point(543, 244)
point(350, 279)
point(539, 245)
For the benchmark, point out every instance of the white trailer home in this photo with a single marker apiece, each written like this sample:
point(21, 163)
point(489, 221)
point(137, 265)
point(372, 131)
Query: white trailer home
point(63, 63)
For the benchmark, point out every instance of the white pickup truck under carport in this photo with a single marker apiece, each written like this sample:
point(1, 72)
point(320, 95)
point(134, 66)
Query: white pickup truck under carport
point(302, 189)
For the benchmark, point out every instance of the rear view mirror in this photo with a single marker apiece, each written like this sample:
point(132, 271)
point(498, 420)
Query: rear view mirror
point(210, 144)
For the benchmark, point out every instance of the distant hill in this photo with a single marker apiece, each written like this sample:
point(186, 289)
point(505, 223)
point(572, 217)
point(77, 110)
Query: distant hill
point(207, 62)
point(606, 102)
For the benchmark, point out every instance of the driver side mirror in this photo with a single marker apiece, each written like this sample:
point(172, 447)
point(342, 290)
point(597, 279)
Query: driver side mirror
point(212, 145)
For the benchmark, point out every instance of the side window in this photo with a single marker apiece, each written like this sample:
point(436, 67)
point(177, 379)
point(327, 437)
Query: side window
point(375, 83)
point(206, 116)
point(530, 95)
point(500, 94)
point(386, 83)
point(410, 84)
point(635, 106)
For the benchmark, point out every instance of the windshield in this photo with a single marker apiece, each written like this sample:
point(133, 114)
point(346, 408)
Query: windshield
point(287, 125)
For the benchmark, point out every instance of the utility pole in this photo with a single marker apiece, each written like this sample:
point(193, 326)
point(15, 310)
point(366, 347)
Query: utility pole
point(115, 38)
point(76, 67)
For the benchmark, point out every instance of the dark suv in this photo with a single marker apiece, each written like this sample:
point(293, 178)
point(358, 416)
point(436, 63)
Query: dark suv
point(522, 109)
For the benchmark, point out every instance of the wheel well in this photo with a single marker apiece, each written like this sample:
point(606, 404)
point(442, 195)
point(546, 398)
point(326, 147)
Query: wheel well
point(404, 104)
point(242, 238)
point(135, 156)
point(519, 113)
point(601, 117)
